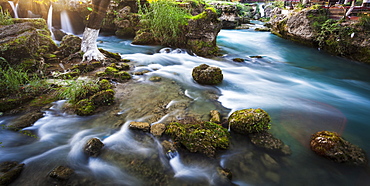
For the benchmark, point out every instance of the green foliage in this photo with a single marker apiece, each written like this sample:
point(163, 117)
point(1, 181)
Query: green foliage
point(164, 19)
point(77, 90)
point(364, 22)
point(203, 137)
point(279, 4)
point(335, 37)
point(5, 18)
point(12, 80)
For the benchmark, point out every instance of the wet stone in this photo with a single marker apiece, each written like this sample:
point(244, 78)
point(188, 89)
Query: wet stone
point(157, 129)
point(93, 147)
point(215, 116)
point(269, 162)
point(144, 126)
point(9, 171)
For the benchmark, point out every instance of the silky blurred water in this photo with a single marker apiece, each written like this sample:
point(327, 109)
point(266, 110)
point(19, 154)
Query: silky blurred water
point(305, 90)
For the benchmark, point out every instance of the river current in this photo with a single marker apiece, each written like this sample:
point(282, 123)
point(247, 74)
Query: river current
point(305, 90)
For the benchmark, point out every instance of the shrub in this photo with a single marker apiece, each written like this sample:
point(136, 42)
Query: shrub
point(164, 20)
point(77, 90)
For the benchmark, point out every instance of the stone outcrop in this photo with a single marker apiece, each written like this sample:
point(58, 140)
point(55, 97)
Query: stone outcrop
point(332, 146)
point(202, 33)
point(267, 141)
point(25, 39)
point(312, 27)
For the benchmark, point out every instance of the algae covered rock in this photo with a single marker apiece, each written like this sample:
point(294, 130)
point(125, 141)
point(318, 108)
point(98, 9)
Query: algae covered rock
point(104, 97)
point(207, 75)
point(332, 146)
point(248, 121)
point(85, 107)
point(203, 137)
point(70, 44)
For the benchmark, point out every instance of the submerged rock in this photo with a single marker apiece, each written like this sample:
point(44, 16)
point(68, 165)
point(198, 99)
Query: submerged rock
point(248, 121)
point(61, 173)
point(332, 146)
point(267, 141)
point(207, 75)
point(93, 147)
point(9, 171)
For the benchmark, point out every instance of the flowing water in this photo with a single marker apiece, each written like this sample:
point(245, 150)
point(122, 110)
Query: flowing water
point(305, 90)
point(66, 22)
point(15, 8)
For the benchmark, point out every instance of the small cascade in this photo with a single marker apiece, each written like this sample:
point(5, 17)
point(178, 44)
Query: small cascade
point(50, 21)
point(66, 22)
point(262, 10)
point(15, 8)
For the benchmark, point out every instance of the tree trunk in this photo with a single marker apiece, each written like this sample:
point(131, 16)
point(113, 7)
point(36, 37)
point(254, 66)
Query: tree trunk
point(92, 29)
point(351, 8)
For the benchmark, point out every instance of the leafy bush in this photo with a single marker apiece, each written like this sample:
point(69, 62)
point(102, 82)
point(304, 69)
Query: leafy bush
point(164, 19)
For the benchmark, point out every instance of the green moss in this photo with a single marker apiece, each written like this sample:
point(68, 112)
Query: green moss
point(105, 84)
point(249, 121)
point(100, 74)
point(203, 137)
point(111, 70)
point(115, 56)
point(122, 75)
point(103, 98)
point(85, 107)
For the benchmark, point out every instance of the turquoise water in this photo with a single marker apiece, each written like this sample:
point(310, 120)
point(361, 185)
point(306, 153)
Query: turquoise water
point(305, 90)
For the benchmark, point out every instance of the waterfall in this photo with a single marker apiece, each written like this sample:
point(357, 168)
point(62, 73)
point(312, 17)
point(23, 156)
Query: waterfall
point(66, 22)
point(15, 8)
point(50, 21)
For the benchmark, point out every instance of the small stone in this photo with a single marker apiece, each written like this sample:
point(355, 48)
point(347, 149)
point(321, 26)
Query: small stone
point(238, 60)
point(61, 172)
point(215, 116)
point(157, 129)
point(144, 126)
point(168, 146)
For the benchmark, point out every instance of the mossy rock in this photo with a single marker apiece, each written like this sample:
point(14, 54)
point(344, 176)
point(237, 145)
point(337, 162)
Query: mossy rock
point(103, 98)
point(111, 70)
point(122, 75)
point(115, 56)
point(203, 137)
point(85, 107)
point(9, 171)
point(332, 146)
point(70, 44)
point(248, 121)
point(105, 84)
point(123, 66)
point(100, 74)
point(207, 75)
point(155, 79)
point(84, 67)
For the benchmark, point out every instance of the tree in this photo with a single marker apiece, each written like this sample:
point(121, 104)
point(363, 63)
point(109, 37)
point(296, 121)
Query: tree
point(91, 33)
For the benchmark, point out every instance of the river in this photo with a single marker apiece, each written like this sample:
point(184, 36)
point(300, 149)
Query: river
point(305, 90)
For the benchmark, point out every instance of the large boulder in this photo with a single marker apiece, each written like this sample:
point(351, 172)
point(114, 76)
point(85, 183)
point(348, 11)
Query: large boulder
point(248, 121)
point(70, 44)
point(25, 39)
point(332, 146)
point(207, 75)
point(202, 33)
